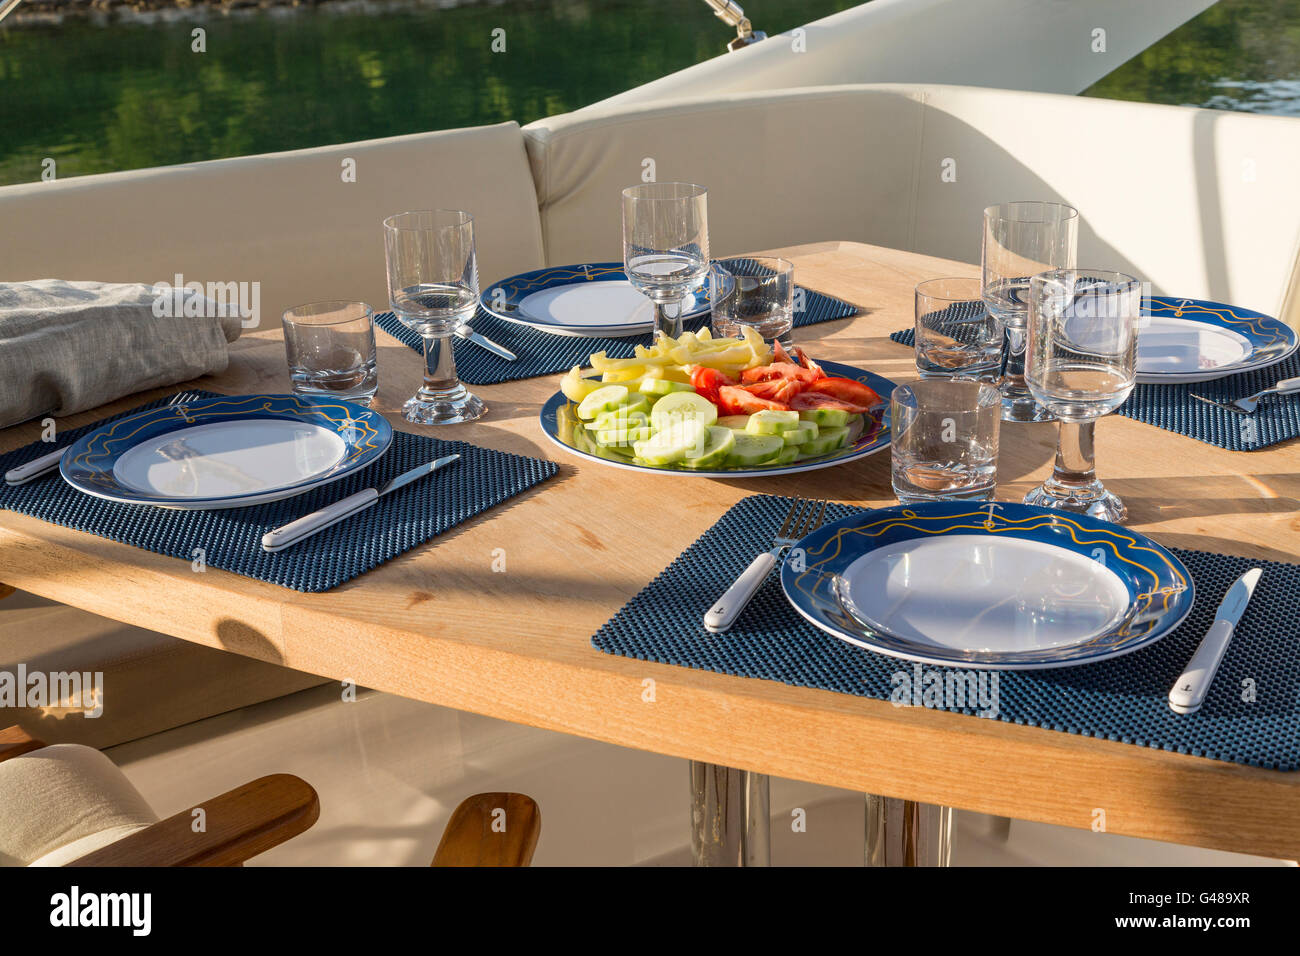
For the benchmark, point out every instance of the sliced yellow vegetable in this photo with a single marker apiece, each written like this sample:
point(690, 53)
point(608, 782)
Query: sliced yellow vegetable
point(575, 387)
point(738, 355)
point(631, 373)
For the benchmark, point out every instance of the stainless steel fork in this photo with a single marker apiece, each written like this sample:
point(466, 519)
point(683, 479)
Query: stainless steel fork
point(50, 461)
point(803, 517)
point(1247, 405)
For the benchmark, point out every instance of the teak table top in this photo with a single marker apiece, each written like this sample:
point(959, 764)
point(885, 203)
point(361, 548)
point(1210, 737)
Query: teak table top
point(440, 625)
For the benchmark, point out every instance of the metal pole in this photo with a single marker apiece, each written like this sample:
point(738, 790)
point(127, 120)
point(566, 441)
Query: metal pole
point(731, 13)
point(907, 833)
point(730, 816)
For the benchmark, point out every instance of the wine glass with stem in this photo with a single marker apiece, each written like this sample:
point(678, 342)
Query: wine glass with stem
point(1082, 356)
point(433, 289)
point(666, 246)
point(1022, 239)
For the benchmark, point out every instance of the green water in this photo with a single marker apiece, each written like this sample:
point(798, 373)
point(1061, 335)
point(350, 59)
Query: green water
point(125, 95)
point(128, 95)
point(1237, 55)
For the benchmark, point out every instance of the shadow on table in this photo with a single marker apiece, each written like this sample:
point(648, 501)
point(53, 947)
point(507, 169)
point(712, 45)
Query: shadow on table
point(1200, 496)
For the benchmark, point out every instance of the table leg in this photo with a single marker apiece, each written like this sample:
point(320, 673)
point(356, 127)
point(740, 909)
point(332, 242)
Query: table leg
point(906, 833)
point(730, 816)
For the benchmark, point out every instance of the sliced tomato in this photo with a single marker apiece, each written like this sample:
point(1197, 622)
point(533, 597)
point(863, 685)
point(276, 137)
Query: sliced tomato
point(846, 390)
point(808, 400)
point(734, 400)
point(779, 355)
point(777, 370)
point(707, 381)
point(807, 363)
point(777, 390)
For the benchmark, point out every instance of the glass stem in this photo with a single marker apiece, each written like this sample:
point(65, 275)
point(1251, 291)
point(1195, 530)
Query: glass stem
point(1076, 461)
point(668, 317)
point(439, 364)
point(1013, 373)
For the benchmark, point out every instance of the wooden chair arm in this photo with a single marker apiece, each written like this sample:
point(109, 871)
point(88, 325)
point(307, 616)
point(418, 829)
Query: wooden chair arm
point(14, 742)
point(240, 824)
point(491, 829)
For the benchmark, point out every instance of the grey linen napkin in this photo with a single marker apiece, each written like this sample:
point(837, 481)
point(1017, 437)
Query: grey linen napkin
point(69, 346)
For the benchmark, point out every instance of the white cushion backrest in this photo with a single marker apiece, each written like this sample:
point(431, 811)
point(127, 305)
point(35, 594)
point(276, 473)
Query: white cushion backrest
point(287, 220)
point(781, 168)
point(1201, 203)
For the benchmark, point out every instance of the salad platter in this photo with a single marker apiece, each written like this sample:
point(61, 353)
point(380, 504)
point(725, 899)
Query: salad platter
point(719, 407)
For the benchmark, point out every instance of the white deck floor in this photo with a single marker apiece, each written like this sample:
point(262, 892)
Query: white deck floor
point(390, 770)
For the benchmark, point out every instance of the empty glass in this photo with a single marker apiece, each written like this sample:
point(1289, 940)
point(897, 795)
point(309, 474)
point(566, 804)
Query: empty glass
point(956, 334)
point(1083, 326)
point(944, 440)
point(331, 350)
point(666, 246)
point(757, 291)
point(433, 289)
point(1022, 239)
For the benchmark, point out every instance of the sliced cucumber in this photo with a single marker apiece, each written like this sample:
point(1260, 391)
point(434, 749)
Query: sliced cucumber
point(751, 450)
point(680, 407)
point(718, 443)
point(788, 454)
point(602, 399)
point(734, 422)
point(672, 443)
point(823, 444)
point(623, 436)
point(661, 386)
point(772, 422)
point(825, 416)
point(806, 432)
point(622, 417)
point(839, 432)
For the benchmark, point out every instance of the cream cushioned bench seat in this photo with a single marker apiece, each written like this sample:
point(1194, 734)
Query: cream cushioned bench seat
point(287, 220)
point(1202, 203)
point(59, 803)
point(151, 682)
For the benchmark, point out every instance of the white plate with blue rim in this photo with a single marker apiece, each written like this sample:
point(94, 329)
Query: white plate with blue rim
point(589, 299)
point(230, 451)
point(990, 585)
point(1192, 340)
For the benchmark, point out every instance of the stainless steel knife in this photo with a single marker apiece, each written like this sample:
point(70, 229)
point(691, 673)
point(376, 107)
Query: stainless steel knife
point(344, 508)
point(469, 335)
point(1188, 692)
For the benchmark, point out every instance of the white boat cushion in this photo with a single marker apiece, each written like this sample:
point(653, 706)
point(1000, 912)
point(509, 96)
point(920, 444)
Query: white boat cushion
point(60, 802)
point(289, 221)
point(1202, 203)
point(781, 168)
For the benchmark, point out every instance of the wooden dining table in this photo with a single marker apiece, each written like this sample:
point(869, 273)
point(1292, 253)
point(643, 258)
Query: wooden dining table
point(496, 616)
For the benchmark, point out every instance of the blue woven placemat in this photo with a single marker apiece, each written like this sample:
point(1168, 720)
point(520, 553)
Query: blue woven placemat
point(541, 353)
point(231, 539)
point(1123, 699)
point(1173, 408)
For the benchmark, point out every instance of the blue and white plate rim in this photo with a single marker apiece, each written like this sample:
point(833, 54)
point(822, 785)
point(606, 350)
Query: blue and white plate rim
point(366, 433)
point(811, 595)
point(1271, 339)
point(537, 280)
